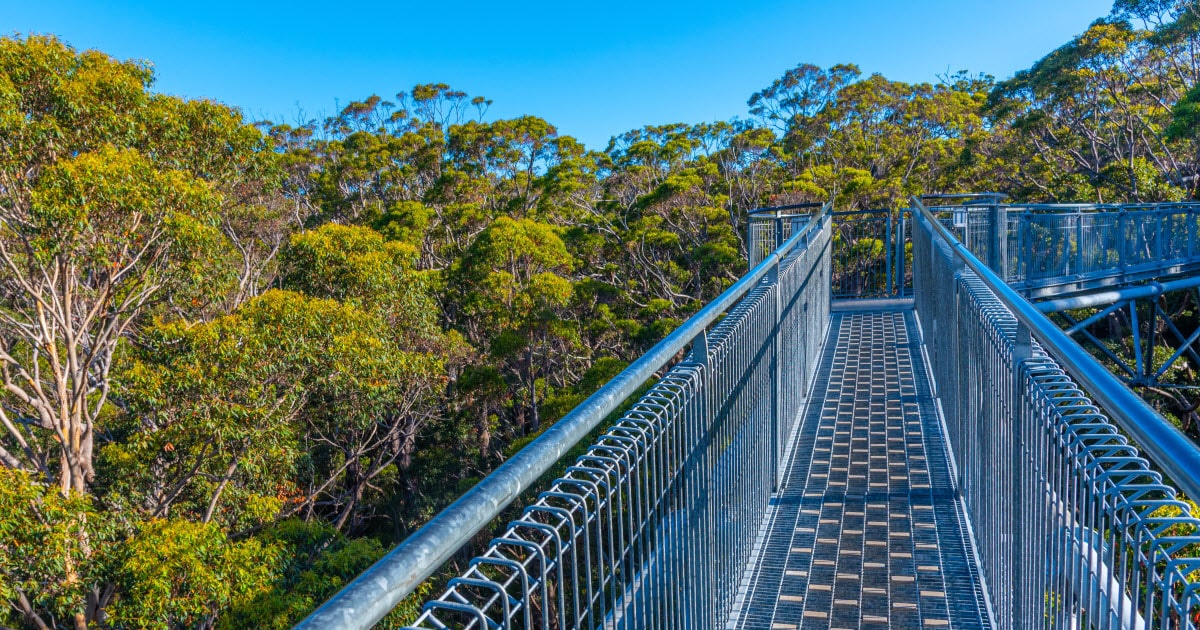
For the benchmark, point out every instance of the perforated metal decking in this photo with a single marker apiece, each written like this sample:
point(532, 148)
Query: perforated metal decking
point(867, 531)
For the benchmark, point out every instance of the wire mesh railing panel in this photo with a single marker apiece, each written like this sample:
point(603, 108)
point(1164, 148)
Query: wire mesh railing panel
point(768, 228)
point(1047, 246)
point(761, 238)
point(1140, 238)
point(1073, 526)
point(1078, 246)
point(654, 525)
point(1177, 232)
point(1050, 244)
point(870, 249)
point(975, 233)
point(1099, 241)
point(804, 314)
point(863, 247)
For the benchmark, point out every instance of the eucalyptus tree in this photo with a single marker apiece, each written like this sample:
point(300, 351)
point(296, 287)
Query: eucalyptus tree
point(111, 202)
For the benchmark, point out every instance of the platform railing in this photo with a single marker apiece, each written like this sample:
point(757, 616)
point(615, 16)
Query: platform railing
point(768, 228)
point(1069, 478)
point(1052, 249)
point(1125, 243)
point(870, 247)
point(653, 526)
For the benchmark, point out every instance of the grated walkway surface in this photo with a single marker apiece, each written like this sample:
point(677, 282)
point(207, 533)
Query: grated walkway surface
point(867, 531)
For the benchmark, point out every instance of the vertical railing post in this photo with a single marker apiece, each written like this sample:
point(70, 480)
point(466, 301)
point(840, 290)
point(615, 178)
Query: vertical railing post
point(1022, 351)
point(960, 364)
point(1122, 241)
point(1158, 234)
point(750, 261)
point(777, 376)
point(995, 232)
point(888, 244)
point(699, 609)
point(1191, 232)
point(778, 234)
point(899, 266)
point(1079, 242)
point(1025, 250)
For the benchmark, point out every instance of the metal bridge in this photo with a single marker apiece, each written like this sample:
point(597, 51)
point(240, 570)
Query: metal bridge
point(874, 427)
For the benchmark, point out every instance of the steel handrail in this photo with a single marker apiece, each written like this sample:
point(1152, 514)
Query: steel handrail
point(765, 211)
point(1064, 208)
point(1167, 447)
point(985, 198)
point(379, 589)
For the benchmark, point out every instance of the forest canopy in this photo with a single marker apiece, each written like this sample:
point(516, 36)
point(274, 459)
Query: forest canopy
point(240, 359)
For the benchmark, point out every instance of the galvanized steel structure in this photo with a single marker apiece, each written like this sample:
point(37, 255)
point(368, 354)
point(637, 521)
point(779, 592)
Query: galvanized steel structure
point(771, 440)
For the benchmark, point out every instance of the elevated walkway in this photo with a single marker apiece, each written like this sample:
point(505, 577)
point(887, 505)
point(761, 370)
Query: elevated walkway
point(867, 530)
point(780, 460)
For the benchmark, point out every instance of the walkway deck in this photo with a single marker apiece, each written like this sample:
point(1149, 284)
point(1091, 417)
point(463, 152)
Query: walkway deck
point(867, 531)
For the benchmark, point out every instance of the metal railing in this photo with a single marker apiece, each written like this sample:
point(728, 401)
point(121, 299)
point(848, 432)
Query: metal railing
point(870, 247)
point(1073, 524)
point(1053, 249)
point(1050, 243)
point(768, 228)
point(652, 527)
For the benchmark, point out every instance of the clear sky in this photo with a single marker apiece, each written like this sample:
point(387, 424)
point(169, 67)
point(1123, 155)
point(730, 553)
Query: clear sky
point(592, 68)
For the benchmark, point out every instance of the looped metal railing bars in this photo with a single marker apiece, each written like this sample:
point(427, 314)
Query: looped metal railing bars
point(606, 545)
point(1072, 525)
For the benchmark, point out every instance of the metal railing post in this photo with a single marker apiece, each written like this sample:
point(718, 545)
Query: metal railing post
point(902, 255)
point(995, 260)
point(777, 411)
point(778, 231)
point(750, 262)
point(1003, 239)
point(1022, 351)
point(1191, 232)
point(1122, 242)
point(1158, 234)
point(1079, 243)
point(888, 246)
point(700, 515)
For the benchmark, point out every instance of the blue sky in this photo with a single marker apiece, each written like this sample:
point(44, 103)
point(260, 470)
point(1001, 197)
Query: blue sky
point(593, 69)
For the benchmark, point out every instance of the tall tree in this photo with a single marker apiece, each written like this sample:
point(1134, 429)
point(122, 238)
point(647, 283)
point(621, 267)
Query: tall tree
point(104, 211)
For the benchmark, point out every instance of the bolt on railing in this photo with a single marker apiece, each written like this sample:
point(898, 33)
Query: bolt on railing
point(1072, 525)
point(652, 526)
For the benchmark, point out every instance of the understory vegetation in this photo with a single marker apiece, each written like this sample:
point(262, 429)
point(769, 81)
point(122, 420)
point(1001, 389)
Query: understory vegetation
point(240, 360)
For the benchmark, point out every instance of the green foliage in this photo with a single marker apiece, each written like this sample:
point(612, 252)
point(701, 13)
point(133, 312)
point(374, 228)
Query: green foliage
point(237, 404)
point(314, 562)
point(1185, 117)
point(52, 547)
point(178, 573)
point(301, 344)
point(1105, 117)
